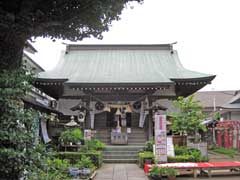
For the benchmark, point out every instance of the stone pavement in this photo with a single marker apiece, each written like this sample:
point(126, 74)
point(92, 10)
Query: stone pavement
point(120, 172)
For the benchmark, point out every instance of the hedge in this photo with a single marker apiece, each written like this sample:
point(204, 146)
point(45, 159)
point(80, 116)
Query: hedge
point(95, 156)
point(186, 158)
point(146, 155)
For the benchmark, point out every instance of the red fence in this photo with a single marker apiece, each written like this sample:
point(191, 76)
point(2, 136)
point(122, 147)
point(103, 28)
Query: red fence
point(228, 134)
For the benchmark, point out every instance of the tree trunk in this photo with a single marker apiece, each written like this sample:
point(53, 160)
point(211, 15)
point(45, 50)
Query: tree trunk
point(11, 49)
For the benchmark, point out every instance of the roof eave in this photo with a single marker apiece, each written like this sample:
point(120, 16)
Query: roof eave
point(206, 78)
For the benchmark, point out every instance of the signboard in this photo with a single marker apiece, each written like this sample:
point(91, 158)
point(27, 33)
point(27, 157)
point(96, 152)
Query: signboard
point(160, 138)
point(170, 146)
point(87, 134)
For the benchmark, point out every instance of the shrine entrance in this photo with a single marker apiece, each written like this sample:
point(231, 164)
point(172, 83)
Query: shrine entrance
point(114, 120)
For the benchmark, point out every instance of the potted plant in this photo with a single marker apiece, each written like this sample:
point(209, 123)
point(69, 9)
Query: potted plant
point(71, 136)
point(77, 136)
point(171, 173)
point(65, 137)
point(156, 172)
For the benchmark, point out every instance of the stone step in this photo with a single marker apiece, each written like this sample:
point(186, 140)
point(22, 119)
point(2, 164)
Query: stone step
point(137, 135)
point(120, 152)
point(103, 132)
point(137, 140)
point(124, 148)
point(103, 136)
point(120, 160)
point(120, 156)
point(137, 132)
point(136, 144)
point(135, 129)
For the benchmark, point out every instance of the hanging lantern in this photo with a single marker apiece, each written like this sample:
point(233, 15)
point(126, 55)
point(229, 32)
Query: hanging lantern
point(72, 123)
point(118, 112)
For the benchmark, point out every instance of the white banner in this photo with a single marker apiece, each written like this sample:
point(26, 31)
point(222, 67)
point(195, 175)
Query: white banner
point(92, 115)
point(160, 138)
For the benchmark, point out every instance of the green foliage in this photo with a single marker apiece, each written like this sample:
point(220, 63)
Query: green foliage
point(61, 19)
point(18, 150)
point(146, 155)
point(181, 150)
point(85, 162)
point(231, 152)
point(95, 144)
point(171, 172)
point(55, 169)
point(74, 157)
point(216, 116)
point(183, 154)
point(69, 19)
point(179, 158)
point(70, 135)
point(149, 146)
point(188, 119)
point(156, 171)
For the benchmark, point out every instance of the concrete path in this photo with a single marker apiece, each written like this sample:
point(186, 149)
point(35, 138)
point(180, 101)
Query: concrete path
point(120, 172)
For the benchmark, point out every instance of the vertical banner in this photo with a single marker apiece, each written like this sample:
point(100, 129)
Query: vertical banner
point(160, 138)
point(92, 115)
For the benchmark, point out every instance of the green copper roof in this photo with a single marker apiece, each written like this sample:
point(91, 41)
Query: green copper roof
point(120, 64)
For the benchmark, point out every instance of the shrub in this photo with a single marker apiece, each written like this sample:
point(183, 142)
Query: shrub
point(146, 155)
point(149, 146)
point(180, 150)
point(74, 157)
point(179, 158)
point(187, 158)
point(157, 172)
point(183, 154)
point(95, 144)
point(85, 162)
point(171, 172)
point(73, 136)
point(154, 171)
point(56, 169)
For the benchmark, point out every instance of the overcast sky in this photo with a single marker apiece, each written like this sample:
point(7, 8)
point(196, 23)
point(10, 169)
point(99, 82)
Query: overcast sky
point(207, 34)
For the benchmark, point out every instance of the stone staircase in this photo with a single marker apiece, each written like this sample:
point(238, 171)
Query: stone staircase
point(137, 137)
point(122, 153)
point(104, 135)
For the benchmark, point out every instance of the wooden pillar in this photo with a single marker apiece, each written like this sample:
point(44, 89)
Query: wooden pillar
point(150, 125)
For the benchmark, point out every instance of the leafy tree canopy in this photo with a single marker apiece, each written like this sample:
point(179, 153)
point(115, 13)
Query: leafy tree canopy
point(65, 19)
point(188, 119)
